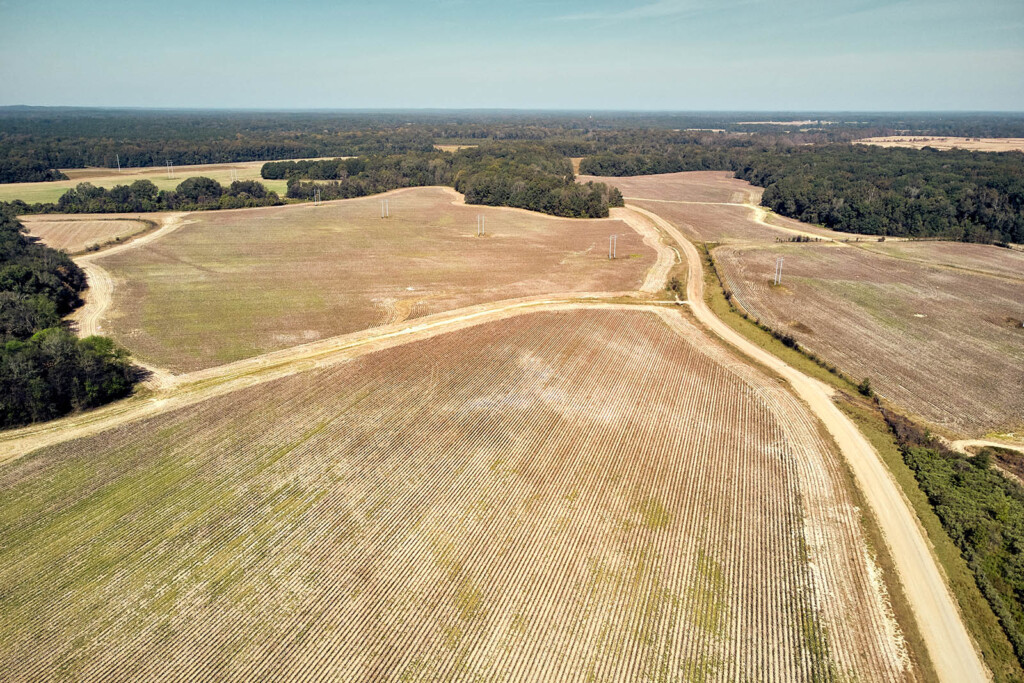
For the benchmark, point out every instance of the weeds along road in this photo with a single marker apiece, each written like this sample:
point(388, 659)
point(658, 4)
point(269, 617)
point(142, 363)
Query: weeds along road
point(949, 645)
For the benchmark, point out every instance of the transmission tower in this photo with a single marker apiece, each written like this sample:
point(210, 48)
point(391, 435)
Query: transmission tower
point(613, 245)
point(778, 271)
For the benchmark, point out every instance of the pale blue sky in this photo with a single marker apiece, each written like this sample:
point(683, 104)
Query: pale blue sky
point(563, 54)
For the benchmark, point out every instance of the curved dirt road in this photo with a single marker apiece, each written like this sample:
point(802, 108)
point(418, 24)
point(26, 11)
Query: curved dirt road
point(100, 293)
point(949, 645)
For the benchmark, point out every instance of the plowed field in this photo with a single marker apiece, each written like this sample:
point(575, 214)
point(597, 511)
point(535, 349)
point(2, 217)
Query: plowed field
point(74, 234)
point(234, 284)
point(589, 494)
point(945, 341)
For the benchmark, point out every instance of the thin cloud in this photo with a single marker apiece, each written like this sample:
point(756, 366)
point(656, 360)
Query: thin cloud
point(654, 10)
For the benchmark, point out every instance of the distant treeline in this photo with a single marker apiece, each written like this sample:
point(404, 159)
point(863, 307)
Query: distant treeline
point(970, 196)
point(45, 371)
point(47, 138)
point(192, 194)
point(982, 511)
point(527, 176)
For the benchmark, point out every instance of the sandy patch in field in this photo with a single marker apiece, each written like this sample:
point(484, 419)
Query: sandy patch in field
point(945, 143)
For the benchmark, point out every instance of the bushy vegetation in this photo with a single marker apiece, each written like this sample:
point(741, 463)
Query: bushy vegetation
point(982, 511)
point(526, 176)
point(45, 371)
point(192, 194)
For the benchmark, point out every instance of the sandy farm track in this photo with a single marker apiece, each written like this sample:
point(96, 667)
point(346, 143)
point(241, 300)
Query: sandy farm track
point(536, 518)
point(236, 284)
point(351, 508)
point(948, 642)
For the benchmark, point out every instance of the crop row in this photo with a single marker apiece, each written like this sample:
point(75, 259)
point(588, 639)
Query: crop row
point(559, 495)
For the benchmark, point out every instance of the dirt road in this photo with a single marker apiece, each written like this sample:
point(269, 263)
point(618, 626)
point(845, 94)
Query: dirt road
point(101, 286)
point(949, 645)
point(187, 389)
point(963, 444)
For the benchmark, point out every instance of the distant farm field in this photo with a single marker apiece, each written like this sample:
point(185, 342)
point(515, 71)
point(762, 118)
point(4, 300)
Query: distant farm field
point(33, 193)
point(936, 326)
point(233, 284)
point(74, 233)
point(713, 206)
point(587, 494)
point(690, 186)
point(973, 144)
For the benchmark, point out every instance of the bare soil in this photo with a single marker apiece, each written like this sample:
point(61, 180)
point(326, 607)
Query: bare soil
point(234, 284)
point(932, 338)
point(973, 144)
point(491, 500)
point(77, 233)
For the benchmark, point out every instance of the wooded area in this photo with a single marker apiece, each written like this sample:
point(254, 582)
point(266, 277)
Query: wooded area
point(45, 371)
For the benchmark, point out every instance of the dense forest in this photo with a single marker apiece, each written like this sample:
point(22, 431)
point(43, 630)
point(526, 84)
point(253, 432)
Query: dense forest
point(35, 141)
point(960, 195)
point(45, 370)
point(528, 176)
point(971, 196)
point(27, 171)
point(982, 511)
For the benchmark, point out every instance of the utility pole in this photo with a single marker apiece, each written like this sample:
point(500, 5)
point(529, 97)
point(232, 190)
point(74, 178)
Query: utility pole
point(480, 226)
point(118, 157)
point(778, 271)
point(170, 169)
point(613, 244)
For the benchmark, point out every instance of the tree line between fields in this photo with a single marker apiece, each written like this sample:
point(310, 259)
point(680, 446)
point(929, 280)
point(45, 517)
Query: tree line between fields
point(45, 370)
point(982, 511)
point(526, 176)
point(192, 194)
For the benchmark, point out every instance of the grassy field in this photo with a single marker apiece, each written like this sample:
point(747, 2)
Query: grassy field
point(943, 342)
point(974, 144)
point(75, 233)
point(104, 177)
point(491, 503)
point(233, 284)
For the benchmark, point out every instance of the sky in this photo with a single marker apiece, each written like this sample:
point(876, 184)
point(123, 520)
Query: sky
point(777, 55)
